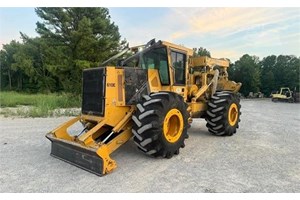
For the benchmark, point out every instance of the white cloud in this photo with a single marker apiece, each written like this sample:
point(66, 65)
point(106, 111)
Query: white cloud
point(223, 21)
point(231, 32)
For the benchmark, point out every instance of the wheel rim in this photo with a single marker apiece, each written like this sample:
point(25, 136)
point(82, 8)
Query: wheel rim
point(233, 114)
point(173, 125)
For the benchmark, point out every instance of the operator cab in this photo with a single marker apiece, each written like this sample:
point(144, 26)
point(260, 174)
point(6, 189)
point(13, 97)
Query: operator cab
point(169, 59)
point(286, 92)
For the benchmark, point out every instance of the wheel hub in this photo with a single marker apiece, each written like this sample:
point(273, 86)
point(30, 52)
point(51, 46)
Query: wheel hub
point(173, 125)
point(233, 114)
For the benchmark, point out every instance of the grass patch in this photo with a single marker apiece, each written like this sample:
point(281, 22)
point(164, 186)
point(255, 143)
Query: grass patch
point(52, 101)
point(37, 105)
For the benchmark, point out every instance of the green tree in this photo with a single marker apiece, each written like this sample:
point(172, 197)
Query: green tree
point(247, 71)
point(31, 59)
point(286, 72)
point(201, 52)
point(267, 74)
point(294, 73)
point(12, 77)
point(77, 38)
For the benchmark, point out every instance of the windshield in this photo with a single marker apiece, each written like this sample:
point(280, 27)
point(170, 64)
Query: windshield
point(156, 58)
point(151, 58)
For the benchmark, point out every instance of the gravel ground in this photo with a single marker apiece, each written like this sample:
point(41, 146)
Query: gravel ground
point(264, 156)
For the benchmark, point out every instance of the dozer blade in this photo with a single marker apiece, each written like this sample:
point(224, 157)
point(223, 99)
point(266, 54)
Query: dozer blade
point(75, 154)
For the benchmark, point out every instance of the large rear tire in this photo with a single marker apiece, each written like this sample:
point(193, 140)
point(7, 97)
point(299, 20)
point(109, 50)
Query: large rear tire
point(223, 113)
point(160, 124)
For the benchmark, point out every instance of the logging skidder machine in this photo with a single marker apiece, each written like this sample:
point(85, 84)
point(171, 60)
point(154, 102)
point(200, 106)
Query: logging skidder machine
point(152, 95)
point(284, 95)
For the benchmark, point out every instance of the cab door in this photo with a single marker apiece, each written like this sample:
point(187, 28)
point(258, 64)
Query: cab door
point(178, 63)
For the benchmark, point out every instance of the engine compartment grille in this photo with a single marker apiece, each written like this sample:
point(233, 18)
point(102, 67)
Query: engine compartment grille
point(93, 91)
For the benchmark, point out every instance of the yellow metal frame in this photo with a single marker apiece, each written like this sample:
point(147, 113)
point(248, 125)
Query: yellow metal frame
point(206, 61)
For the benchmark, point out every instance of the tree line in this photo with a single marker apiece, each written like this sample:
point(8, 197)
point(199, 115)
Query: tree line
point(266, 75)
point(72, 39)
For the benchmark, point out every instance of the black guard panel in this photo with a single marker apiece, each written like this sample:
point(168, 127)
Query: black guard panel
point(77, 155)
point(93, 91)
point(136, 84)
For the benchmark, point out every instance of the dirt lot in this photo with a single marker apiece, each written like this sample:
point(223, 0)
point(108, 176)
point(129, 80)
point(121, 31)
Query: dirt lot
point(264, 156)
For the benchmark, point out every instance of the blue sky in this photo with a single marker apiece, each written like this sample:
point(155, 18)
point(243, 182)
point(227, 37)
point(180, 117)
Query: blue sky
point(226, 32)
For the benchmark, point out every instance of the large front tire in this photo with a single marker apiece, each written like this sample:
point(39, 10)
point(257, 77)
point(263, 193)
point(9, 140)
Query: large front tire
point(160, 124)
point(223, 113)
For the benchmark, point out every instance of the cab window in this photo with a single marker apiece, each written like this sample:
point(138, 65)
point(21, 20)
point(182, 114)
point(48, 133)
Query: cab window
point(178, 63)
